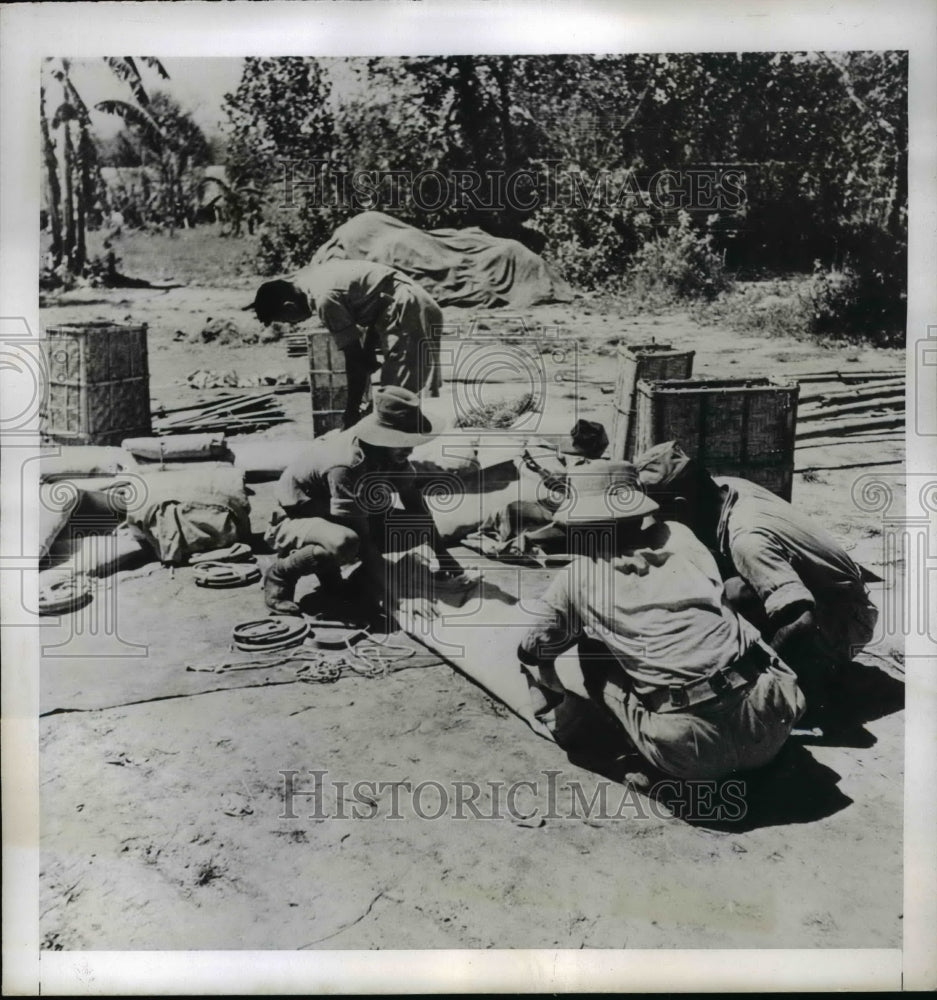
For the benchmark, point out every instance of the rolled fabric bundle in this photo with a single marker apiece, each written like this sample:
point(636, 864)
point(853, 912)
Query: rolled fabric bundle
point(104, 555)
point(56, 504)
point(266, 460)
point(177, 447)
point(82, 461)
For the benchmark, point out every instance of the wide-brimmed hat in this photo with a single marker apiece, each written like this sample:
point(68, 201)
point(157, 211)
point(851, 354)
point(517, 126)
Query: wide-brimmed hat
point(664, 468)
point(396, 421)
point(604, 491)
point(587, 438)
point(270, 297)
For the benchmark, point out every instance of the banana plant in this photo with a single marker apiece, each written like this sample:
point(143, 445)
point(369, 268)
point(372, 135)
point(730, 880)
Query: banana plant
point(236, 202)
point(75, 187)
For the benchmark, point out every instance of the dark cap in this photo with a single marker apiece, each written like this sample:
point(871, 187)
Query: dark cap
point(587, 438)
point(270, 297)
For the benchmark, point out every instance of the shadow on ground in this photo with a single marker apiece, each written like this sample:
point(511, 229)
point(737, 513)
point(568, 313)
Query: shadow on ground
point(793, 788)
point(862, 693)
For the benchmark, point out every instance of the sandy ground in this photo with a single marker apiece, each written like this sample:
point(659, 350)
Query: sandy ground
point(163, 820)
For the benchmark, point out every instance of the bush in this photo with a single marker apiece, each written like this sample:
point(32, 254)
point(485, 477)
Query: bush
point(776, 308)
point(288, 239)
point(589, 248)
point(97, 272)
point(866, 299)
point(499, 415)
point(857, 305)
point(680, 265)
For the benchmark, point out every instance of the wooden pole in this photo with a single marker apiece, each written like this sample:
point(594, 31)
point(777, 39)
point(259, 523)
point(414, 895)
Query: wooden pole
point(847, 410)
point(837, 430)
point(893, 373)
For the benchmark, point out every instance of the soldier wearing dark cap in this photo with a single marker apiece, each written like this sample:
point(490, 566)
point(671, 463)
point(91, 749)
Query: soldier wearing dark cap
point(364, 305)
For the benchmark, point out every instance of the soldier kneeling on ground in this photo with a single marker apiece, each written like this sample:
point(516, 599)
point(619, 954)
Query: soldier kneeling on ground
point(784, 573)
point(334, 509)
point(666, 661)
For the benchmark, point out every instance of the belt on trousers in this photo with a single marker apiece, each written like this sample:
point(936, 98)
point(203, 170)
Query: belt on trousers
point(742, 673)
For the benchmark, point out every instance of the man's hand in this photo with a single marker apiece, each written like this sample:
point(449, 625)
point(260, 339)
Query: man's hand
point(797, 638)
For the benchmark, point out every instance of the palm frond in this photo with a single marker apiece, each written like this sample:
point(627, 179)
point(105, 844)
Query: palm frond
point(134, 117)
point(123, 67)
point(75, 99)
point(126, 69)
point(226, 188)
point(63, 113)
point(154, 63)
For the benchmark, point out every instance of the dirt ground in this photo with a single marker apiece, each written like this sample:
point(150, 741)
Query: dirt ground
point(162, 820)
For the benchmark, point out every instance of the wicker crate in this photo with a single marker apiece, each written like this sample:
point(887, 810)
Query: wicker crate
point(99, 384)
point(735, 427)
point(651, 362)
point(328, 382)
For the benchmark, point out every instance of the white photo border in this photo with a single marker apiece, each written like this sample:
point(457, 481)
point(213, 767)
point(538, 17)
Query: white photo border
point(387, 27)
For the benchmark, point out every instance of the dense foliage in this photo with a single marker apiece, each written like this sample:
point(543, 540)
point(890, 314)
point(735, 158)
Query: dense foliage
point(76, 195)
point(659, 175)
point(774, 161)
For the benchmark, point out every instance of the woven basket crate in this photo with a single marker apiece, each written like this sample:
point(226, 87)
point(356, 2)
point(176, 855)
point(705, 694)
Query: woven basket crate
point(734, 427)
point(328, 382)
point(99, 384)
point(651, 362)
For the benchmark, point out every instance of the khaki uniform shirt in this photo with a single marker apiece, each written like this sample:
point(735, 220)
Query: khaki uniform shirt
point(333, 480)
point(659, 609)
point(347, 295)
point(782, 555)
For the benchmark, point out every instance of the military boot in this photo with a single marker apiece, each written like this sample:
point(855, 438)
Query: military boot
point(282, 576)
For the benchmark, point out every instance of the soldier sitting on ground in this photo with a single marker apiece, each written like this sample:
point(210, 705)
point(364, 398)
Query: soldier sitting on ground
point(523, 522)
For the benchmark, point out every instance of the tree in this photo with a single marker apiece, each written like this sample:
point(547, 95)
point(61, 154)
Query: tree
point(76, 191)
point(279, 112)
point(163, 136)
point(236, 203)
point(821, 139)
point(280, 119)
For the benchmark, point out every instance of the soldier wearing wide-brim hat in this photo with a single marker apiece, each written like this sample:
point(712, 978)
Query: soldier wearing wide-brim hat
point(335, 501)
point(680, 676)
point(786, 574)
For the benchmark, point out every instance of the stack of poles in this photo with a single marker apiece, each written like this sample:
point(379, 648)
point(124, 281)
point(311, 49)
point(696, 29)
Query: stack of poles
point(235, 413)
point(851, 403)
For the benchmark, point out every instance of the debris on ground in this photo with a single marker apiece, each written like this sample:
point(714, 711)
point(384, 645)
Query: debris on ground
point(204, 378)
point(498, 415)
point(233, 413)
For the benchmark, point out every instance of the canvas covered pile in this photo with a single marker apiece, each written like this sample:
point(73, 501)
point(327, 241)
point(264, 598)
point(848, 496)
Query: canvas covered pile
point(458, 267)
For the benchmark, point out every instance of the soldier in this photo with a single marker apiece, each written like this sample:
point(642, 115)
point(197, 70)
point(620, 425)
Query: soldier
point(333, 504)
point(689, 683)
point(364, 306)
point(785, 574)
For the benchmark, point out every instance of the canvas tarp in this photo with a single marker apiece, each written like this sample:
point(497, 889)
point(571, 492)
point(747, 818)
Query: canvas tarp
point(458, 267)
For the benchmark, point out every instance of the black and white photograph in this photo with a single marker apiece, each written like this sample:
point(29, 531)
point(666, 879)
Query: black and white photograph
point(470, 495)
